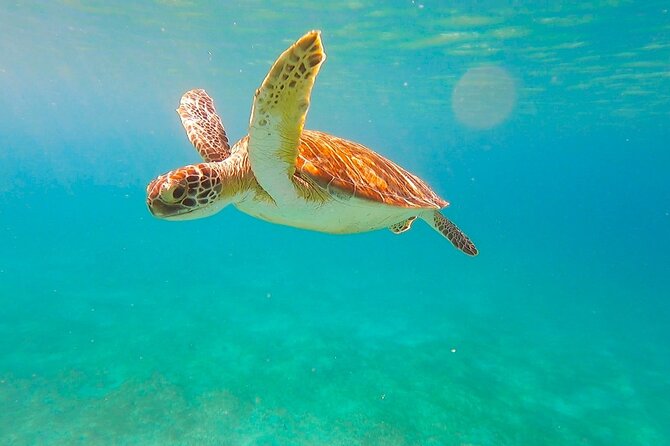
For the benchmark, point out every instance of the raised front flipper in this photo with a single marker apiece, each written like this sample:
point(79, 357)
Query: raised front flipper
point(203, 126)
point(278, 115)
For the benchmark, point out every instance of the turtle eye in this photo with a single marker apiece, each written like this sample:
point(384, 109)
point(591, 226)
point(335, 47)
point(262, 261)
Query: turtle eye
point(172, 193)
point(178, 193)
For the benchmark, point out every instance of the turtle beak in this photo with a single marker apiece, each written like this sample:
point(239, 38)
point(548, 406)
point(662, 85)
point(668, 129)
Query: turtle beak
point(153, 190)
point(158, 209)
point(156, 206)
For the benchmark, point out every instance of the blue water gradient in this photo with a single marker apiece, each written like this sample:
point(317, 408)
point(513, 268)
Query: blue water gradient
point(120, 329)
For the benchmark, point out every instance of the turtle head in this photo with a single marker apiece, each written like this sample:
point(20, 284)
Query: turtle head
point(186, 193)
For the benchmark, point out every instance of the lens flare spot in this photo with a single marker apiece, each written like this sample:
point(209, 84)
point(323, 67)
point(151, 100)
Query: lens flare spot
point(484, 97)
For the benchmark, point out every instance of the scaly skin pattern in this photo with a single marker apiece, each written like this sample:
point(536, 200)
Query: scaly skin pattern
point(203, 126)
point(200, 190)
point(278, 115)
point(284, 174)
point(448, 229)
point(403, 226)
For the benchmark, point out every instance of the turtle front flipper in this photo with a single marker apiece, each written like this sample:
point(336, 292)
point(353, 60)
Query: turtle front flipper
point(278, 115)
point(450, 231)
point(203, 126)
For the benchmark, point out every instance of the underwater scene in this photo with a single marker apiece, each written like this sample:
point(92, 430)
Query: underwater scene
point(545, 125)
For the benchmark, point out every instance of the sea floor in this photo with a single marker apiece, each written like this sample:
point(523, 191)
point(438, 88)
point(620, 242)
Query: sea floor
point(296, 369)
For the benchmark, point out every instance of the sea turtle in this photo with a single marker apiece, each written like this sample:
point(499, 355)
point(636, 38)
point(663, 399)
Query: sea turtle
point(284, 174)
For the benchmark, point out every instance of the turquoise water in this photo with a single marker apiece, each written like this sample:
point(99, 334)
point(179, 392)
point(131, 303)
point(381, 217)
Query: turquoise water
point(545, 126)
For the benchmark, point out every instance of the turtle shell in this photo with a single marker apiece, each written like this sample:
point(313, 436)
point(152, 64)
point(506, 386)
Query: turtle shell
point(347, 168)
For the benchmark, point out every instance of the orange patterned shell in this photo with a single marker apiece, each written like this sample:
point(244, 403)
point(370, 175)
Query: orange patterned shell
point(354, 169)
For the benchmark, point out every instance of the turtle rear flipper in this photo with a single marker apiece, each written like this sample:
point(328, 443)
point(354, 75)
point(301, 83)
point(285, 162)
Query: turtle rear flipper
point(402, 226)
point(450, 231)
